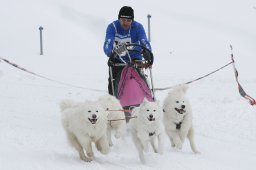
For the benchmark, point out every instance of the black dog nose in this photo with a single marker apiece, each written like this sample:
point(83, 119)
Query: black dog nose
point(183, 106)
point(150, 116)
point(94, 116)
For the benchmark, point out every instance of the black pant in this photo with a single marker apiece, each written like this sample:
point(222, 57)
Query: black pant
point(116, 71)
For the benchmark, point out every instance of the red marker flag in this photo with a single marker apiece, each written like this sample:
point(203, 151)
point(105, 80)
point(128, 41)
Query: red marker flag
point(240, 89)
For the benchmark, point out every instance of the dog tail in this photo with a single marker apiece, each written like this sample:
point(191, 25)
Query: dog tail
point(66, 104)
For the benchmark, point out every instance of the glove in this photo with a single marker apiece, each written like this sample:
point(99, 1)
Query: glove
point(146, 54)
point(112, 58)
point(110, 61)
point(112, 55)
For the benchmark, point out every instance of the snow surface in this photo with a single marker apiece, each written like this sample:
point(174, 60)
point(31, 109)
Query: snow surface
point(189, 39)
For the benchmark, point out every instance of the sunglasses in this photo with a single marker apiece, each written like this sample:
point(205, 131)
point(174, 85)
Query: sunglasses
point(125, 20)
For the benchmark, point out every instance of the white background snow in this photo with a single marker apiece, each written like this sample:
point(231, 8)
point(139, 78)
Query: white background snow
point(189, 39)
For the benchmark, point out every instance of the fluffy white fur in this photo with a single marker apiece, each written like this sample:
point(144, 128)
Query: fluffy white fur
point(85, 123)
point(178, 118)
point(118, 125)
point(147, 128)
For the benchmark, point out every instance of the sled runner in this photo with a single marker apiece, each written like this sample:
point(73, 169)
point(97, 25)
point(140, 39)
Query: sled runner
point(132, 84)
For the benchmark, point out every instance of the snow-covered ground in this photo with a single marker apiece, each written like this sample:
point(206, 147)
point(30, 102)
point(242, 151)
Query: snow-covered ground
point(189, 39)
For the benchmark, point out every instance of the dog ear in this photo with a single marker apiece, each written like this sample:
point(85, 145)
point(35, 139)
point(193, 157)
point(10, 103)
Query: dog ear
point(145, 100)
point(184, 88)
point(157, 102)
point(170, 91)
point(174, 88)
point(67, 103)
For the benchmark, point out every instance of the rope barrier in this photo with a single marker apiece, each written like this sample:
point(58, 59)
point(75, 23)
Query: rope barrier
point(165, 88)
point(241, 90)
point(56, 81)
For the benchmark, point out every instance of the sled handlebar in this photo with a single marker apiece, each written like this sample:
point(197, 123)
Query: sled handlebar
point(147, 55)
point(136, 63)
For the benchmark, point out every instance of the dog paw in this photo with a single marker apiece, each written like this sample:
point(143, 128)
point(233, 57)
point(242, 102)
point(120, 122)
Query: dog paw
point(178, 146)
point(110, 143)
point(146, 149)
point(86, 159)
point(197, 152)
point(90, 154)
point(117, 135)
point(104, 151)
point(160, 150)
point(142, 159)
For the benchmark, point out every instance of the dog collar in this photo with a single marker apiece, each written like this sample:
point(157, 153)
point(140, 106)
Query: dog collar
point(151, 133)
point(178, 125)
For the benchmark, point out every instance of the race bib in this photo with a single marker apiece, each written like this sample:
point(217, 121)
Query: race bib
point(120, 40)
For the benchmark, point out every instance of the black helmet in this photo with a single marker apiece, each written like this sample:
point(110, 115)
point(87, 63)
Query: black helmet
point(126, 12)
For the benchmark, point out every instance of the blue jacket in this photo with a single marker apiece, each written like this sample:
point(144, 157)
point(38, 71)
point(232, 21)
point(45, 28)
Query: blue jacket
point(116, 34)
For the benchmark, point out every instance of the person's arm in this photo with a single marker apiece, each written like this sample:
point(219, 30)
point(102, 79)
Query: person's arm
point(109, 40)
point(142, 37)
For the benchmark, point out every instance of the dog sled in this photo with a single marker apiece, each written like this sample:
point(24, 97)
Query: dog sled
point(135, 81)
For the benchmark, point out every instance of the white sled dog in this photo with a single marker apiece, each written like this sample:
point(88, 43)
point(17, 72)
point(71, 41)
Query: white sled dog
point(115, 113)
point(85, 123)
point(147, 127)
point(178, 118)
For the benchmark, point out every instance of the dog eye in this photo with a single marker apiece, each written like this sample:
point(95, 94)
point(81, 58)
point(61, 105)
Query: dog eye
point(163, 110)
point(147, 110)
point(154, 110)
point(177, 101)
point(97, 111)
point(89, 111)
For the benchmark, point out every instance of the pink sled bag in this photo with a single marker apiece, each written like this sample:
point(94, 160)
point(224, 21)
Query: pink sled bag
point(132, 89)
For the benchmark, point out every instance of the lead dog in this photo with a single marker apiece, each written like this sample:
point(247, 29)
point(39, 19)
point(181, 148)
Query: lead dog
point(147, 127)
point(116, 117)
point(178, 118)
point(85, 123)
